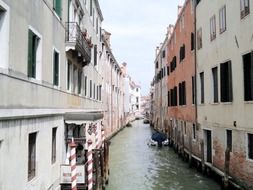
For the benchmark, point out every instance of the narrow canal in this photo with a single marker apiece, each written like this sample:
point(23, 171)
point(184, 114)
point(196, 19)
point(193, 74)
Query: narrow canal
point(136, 166)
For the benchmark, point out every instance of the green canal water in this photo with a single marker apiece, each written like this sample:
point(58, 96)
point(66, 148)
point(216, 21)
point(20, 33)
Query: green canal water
point(136, 166)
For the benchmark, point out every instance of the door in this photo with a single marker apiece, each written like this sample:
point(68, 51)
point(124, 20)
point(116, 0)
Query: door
point(209, 146)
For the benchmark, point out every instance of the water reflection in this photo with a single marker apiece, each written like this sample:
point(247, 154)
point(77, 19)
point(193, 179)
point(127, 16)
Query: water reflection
point(136, 166)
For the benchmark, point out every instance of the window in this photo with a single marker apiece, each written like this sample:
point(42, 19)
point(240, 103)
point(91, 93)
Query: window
point(168, 70)
point(56, 68)
point(193, 131)
point(33, 44)
point(229, 139)
point(168, 98)
point(250, 146)
point(185, 128)
point(212, 28)
point(222, 15)
point(79, 82)
point(173, 95)
point(69, 69)
point(57, 7)
point(32, 156)
point(202, 88)
point(75, 79)
point(94, 91)
point(192, 41)
point(156, 65)
point(199, 38)
point(100, 89)
point(90, 88)
point(91, 7)
point(163, 53)
point(248, 76)
point(95, 55)
point(193, 89)
point(244, 8)
point(96, 25)
point(173, 64)
point(182, 53)
point(85, 86)
point(226, 82)
point(53, 158)
point(182, 94)
point(215, 84)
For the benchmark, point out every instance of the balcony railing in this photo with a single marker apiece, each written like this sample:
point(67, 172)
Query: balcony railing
point(76, 38)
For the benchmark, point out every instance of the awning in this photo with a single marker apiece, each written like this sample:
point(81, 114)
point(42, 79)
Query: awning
point(82, 117)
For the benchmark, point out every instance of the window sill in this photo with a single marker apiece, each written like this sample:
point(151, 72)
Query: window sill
point(248, 102)
point(249, 159)
point(222, 31)
point(214, 103)
point(226, 103)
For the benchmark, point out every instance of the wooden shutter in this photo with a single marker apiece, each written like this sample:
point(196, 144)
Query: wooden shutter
point(230, 82)
point(57, 7)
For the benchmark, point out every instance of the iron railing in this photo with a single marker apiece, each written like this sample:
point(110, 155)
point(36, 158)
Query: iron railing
point(75, 36)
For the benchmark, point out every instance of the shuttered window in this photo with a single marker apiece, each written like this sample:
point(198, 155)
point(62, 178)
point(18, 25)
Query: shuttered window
point(229, 139)
point(33, 43)
point(57, 7)
point(95, 55)
point(85, 85)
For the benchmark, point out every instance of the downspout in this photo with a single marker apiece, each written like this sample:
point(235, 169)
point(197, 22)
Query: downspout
point(195, 60)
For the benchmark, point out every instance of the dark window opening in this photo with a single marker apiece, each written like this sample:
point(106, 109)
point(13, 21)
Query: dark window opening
point(193, 131)
point(182, 53)
point(226, 82)
point(31, 156)
point(95, 55)
point(250, 146)
point(192, 41)
point(215, 84)
point(193, 89)
point(202, 88)
point(248, 76)
point(229, 139)
point(56, 69)
point(33, 44)
point(53, 158)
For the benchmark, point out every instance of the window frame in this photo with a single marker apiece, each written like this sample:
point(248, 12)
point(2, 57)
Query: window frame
point(243, 11)
point(54, 147)
point(212, 28)
point(223, 19)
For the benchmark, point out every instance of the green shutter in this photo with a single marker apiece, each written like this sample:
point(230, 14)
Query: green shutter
point(30, 53)
point(57, 7)
point(56, 69)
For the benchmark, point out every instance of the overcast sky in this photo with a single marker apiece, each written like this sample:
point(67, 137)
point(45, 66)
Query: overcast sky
point(137, 27)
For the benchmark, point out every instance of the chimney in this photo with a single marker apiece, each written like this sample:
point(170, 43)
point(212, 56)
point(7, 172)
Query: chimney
point(179, 8)
point(170, 30)
point(107, 36)
point(157, 50)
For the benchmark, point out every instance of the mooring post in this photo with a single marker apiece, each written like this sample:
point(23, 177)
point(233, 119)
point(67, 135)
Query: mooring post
point(202, 156)
point(226, 169)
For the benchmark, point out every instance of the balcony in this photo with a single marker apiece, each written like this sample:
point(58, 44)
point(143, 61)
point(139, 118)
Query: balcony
point(77, 43)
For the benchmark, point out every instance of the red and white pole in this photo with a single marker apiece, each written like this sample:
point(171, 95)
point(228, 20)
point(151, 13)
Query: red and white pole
point(90, 166)
point(97, 139)
point(103, 137)
point(73, 165)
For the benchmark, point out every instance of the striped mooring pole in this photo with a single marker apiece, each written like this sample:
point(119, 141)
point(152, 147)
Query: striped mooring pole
point(96, 138)
point(73, 164)
point(103, 137)
point(90, 166)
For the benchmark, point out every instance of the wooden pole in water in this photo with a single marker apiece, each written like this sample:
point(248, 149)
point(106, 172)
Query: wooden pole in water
point(226, 168)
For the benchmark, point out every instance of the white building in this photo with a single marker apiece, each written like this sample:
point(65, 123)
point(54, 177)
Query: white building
point(225, 84)
point(50, 86)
